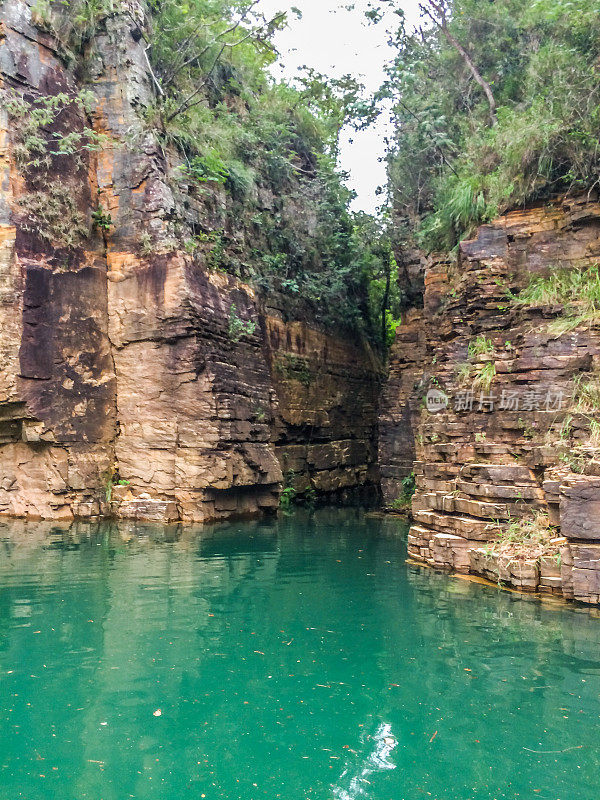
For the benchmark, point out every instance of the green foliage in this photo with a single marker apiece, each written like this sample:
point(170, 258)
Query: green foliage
point(110, 482)
point(409, 484)
point(217, 103)
point(576, 291)
point(563, 287)
point(481, 374)
point(390, 328)
point(241, 179)
point(575, 461)
point(403, 502)
point(463, 373)
point(449, 168)
point(529, 430)
point(215, 256)
point(311, 251)
point(564, 434)
point(237, 327)
point(385, 298)
point(294, 368)
point(586, 392)
point(287, 497)
point(42, 145)
point(248, 146)
point(238, 130)
point(102, 219)
point(208, 168)
point(211, 244)
point(528, 537)
point(484, 375)
point(36, 129)
point(594, 433)
point(480, 346)
point(74, 22)
point(146, 244)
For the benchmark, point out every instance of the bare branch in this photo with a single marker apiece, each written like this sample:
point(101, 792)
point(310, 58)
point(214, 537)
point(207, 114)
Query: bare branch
point(184, 49)
point(194, 57)
point(435, 144)
point(184, 45)
point(151, 71)
point(186, 104)
point(439, 19)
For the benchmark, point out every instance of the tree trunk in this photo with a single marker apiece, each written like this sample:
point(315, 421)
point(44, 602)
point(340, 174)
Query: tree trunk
point(443, 26)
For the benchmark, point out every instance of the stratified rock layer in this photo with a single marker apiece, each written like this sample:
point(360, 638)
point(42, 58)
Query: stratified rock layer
point(125, 387)
point(514, 439)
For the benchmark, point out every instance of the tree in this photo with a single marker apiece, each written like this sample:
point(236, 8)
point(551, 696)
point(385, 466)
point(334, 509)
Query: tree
point(496, 104)
point(437, 11)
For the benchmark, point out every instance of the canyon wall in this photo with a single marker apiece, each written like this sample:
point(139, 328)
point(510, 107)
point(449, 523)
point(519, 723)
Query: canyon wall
point(137, 377)
point(518, 436)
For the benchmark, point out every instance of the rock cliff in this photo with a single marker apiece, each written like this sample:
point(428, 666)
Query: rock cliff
point(518, 439)
point(137, 377)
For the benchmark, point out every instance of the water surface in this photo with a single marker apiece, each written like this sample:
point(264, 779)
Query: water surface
point(299, 658)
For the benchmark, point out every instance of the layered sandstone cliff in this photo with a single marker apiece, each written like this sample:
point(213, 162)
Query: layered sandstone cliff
point(136, 377)
point(518, 441)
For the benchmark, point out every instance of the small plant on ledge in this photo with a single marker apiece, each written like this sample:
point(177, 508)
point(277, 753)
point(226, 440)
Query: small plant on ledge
point(575, 291)
point(484, 375)
point(530, 538)
point(481, 346)
point(403, 502)
point(237, 327)
point(287, 497)
point(102, 219)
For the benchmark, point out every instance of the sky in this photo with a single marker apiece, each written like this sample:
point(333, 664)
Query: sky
point(336, 40)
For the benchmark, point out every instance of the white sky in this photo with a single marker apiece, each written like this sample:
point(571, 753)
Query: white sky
point(336, 41)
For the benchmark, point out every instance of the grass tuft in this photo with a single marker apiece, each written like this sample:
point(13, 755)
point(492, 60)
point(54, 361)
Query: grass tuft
point(576, 290)
point(529, 538)
point(484, 375)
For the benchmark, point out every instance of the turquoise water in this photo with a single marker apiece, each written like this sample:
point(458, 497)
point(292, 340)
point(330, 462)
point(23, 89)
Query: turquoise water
point(300, 659)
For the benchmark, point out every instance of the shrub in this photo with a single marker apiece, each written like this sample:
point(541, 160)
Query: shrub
point(484, 375)
point(586, 392)
point(528, 537)
point(237, 327)
point(52, 213)
point(206, 169)
point(287, 497)
point(576, 290)
point(449, 168)
point(403, 502)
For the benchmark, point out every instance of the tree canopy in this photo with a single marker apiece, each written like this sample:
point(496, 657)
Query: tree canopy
point(462, 154)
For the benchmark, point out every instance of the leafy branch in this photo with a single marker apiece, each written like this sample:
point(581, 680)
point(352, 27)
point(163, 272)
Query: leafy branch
point(436, 11)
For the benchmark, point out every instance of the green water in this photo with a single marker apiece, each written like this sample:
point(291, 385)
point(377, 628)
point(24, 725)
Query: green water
point(299, 659)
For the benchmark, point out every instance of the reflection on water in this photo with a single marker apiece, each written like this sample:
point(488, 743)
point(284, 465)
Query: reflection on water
point(298, 658)
point(378, 759)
